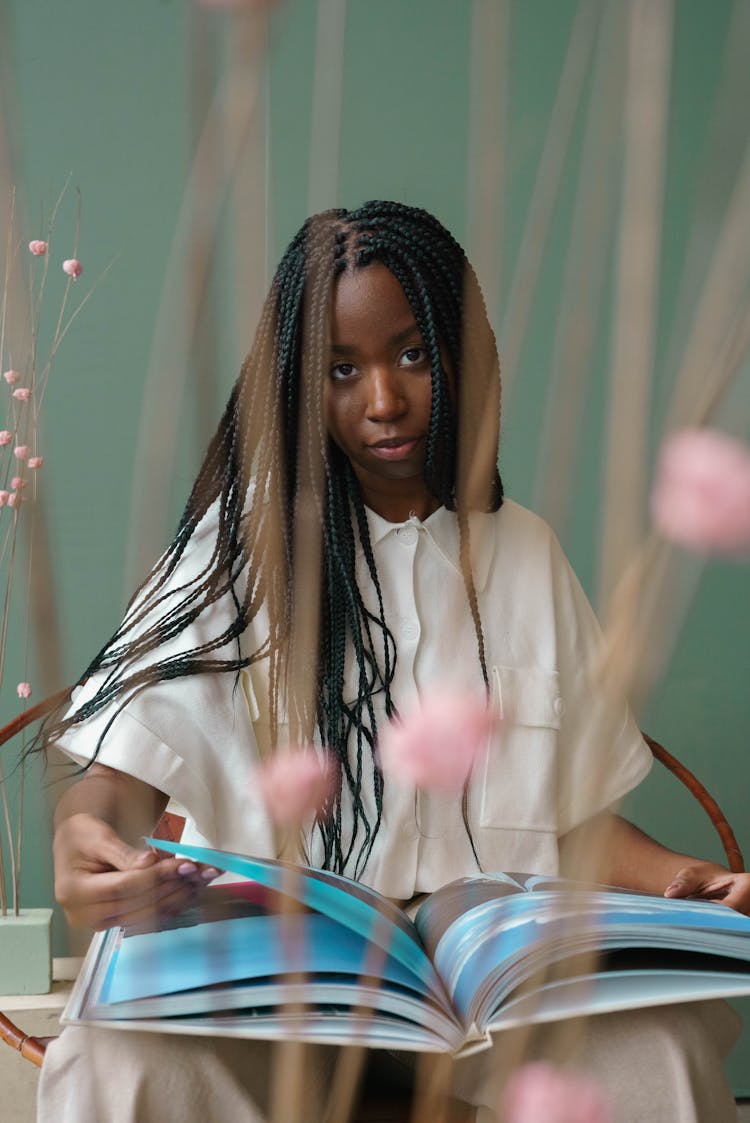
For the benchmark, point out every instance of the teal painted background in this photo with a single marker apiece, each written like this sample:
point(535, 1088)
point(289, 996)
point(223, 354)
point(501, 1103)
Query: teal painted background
point(101, 92)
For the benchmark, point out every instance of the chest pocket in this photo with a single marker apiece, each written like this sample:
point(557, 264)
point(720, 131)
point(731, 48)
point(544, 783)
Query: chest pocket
point(519, 776)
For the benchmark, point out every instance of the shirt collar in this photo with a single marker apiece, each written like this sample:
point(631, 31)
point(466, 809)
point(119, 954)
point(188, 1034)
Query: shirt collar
point(441, 529)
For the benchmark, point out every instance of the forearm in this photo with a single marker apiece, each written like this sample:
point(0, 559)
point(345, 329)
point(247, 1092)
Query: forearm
point(638, 861)
point(631, 859)
point(130, 806)
point(104, 874)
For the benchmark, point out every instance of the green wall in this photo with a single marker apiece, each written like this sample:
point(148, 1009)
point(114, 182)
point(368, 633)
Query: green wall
point(100, 91)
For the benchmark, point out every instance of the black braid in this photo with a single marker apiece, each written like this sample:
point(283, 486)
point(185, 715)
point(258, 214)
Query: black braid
point(251, 474)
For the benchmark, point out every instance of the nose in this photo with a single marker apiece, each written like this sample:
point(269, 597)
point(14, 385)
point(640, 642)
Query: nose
point(385, 398)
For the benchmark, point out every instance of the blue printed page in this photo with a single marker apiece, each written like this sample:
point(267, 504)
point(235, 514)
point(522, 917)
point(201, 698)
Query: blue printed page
point(350, 904)
point(484, 953)
point(246, 948)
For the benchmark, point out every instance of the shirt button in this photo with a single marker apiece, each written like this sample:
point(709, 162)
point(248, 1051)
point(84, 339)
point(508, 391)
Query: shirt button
point(407, 535)
point(409, 629)
point(558, 706)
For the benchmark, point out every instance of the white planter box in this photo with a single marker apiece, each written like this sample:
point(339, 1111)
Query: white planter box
point(26, 952)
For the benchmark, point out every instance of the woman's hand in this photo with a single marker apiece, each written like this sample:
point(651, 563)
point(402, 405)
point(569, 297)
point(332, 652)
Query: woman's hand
point(632, 860)
point(101, 881)
point(103, 876)
point(705, 881)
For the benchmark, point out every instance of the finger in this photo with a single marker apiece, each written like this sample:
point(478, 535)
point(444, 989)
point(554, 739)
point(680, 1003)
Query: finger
point(682, 885)
point(110, 848)
point(82, 888)
point(737, 897)
point(107, 914)
point(149, 912)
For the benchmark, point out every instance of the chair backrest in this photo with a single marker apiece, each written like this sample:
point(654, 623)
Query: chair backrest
point(170, 827)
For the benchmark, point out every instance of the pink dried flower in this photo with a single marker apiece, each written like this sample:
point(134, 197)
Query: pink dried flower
point(11, 377)
point(35, 461)
point(38, 248)
point(4, 497)
point(293, 783)
point(21, 452)
point(22, 393)
point(72, 267)
point(437, 744)
point(541, 1093)
point(5, 437)
point(18, 482)
point(23, 690)
point(14, 499)
point(701, 497)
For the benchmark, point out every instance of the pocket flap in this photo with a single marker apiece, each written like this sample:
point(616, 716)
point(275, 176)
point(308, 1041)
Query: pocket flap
point(529, 696)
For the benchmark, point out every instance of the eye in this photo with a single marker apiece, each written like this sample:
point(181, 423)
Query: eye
point(341, 372)
point(413, 357)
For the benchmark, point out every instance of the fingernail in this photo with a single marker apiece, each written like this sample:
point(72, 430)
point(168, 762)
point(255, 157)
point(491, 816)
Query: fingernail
point(209, 874)
point(186, 869)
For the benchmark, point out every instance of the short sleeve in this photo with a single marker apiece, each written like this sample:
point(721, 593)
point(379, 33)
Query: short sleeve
point(191, 737)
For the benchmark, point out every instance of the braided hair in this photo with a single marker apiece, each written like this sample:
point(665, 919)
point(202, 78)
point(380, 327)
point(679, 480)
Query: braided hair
point(270, 454)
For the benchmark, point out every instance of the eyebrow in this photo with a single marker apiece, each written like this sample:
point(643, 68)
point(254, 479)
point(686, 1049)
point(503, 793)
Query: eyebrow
point(400, 337)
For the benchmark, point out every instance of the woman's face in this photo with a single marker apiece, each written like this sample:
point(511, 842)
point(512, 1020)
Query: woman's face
point(378, 392)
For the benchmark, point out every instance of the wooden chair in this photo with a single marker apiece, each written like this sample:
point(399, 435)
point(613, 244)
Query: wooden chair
point(32, 1048)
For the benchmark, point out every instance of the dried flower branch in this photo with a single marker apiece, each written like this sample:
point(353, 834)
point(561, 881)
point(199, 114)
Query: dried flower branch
point(26, 379)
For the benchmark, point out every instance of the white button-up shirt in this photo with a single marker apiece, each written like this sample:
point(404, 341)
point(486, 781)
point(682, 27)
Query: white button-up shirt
point(560, 756)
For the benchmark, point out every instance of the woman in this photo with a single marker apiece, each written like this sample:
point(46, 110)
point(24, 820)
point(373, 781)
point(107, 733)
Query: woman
point(346, 545)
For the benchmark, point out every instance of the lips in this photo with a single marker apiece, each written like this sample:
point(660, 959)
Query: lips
point(395, 448)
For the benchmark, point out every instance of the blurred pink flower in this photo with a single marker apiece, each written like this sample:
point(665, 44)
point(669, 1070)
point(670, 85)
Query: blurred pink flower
point(38, 248)
point(23, 690)
point(437, 744)
point(21, 452)
point(541, 1093)
point(18, 482)
point(22, 393)
point(294, 782)
point(35, 461)
point(4, 497)
point(72, 267)
point(701, 496)
point(5, 437)
point(14, 499)
point(11, 377)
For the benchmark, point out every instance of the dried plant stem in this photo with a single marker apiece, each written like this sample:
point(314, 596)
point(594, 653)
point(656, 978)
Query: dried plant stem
point(6, 278)
point(583, 280)
point(724, 370)
point(545, 193)
point(351, 1060)
point(11, 847)
point(195, 234)
point(347, 1077)
point(16, 876)
point(8, 587)
point(489, 68)
point(637, 280)
point(289, 1101)
point(432, 1091)
point(63, 329)
point(289, 1094)
point(325, 128)
point(726, 288)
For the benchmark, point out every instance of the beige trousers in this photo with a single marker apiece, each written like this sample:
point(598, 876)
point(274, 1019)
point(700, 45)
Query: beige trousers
point(658, 1066)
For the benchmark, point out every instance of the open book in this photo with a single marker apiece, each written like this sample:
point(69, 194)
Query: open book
point(305, 954)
